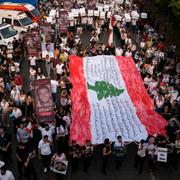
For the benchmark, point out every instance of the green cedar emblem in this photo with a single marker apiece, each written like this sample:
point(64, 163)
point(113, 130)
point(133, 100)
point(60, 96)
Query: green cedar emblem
point(105, 89)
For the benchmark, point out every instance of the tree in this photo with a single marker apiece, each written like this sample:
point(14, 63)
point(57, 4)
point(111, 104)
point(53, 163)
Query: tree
point(175, 8)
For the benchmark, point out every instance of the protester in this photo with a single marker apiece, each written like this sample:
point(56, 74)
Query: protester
point(44, 147)
point(6, 174)
point(140, 156)
point(106, 152)
point(119, 152)
point(87, 152)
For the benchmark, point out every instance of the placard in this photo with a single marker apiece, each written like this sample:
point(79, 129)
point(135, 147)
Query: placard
point(106, 8)
point(102, 15)
point(91, 4)
point(67, 5)
point(82, 11)
point(90, 13)
point(33, 43)
point(59, 167)
point(47, 49)
point(46, 30)
point(144, 15)
point(162, 154)
point(43, 100)
point(63, 21)
point(96, 13)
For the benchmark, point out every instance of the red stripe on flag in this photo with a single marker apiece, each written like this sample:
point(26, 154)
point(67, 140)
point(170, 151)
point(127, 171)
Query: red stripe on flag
point(154, 123)
point(81, 127)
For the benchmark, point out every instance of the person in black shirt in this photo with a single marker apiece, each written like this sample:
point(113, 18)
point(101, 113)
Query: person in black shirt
point(75, 152)
point(5, 145)
point(105, 155)
point(87, 152)
point(21, 156)
point(25, 165)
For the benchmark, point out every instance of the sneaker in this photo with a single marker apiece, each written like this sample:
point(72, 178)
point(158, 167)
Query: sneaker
point(45, 170)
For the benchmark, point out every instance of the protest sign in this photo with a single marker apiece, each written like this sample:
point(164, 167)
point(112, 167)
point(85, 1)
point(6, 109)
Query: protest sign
point(43, 100)
point(59, 167)
point(162, 154)
point(46, 30)
point(63, 21)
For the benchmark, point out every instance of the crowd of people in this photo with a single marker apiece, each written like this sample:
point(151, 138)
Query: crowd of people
point(140, 38)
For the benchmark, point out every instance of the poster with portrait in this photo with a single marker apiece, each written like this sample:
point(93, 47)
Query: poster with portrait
point(37, 39)
point(59, 166)
point(43, 100)
point(47, 49)
point(46, 30)
point(91, 4)
point(68, 5)
point(32, 44)
point(63, 21)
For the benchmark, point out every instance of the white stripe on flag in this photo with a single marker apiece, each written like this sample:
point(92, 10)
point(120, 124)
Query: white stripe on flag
point(110, 116)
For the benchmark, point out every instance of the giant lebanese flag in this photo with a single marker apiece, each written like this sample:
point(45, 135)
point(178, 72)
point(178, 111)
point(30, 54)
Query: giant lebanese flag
point(109, 99)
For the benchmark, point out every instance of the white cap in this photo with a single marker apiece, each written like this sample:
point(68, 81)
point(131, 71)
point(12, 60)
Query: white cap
point(1, 164)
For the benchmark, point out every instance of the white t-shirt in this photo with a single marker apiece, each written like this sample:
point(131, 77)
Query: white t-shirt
point(45, 148)
point(128, 54)
point(54, 85)
point(32, 61)
point(49, 133)
point(17, 113)
point(118, 52)
point(59, 69)
point(7, 176)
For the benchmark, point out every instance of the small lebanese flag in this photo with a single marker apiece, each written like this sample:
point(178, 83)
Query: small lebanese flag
point(109, 99)
point(110, 31)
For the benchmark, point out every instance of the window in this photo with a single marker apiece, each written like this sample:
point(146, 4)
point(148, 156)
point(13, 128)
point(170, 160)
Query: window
point(0, 37)
point(16, 23)
point(29, 14)
point(7, 20)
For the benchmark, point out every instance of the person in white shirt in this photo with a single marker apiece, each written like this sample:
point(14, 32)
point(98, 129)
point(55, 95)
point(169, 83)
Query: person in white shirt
point(128, 53)
point(6, 174)
point(17, 112)
point(54, 86)
point(119, 152)
point(44, 148)
point(118, 51)
point(59, 70)
point(32, 61)
point(48, 131)
point(147, 80)
point(140, 156)
point(152, 153)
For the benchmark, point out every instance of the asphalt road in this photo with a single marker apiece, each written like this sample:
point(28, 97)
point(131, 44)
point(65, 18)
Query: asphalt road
point(126, 172)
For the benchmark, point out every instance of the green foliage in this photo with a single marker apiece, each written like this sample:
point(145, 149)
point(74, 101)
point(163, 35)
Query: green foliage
point(172, 6)
point(105, 89)
point(175, 7)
